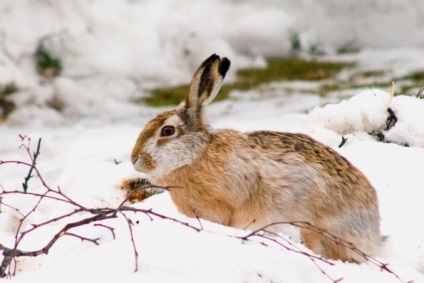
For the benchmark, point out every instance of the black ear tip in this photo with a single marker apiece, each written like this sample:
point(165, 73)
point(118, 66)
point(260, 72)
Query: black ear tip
point(224, 63)
point(224, 66)
point(211, 58)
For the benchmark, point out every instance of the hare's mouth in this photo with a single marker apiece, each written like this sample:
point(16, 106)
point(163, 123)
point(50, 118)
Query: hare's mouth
point(143, 163)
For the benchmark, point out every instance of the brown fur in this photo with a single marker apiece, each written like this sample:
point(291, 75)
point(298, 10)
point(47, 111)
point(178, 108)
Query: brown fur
point(249, 180)
point(218, 197)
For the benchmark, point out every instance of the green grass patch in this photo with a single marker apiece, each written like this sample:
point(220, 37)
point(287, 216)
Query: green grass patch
point(277, 69)
point(165, 96)
point(413, 90)
point(383, 85)
point(327, 88)
point(416, 76)
point(372, 73)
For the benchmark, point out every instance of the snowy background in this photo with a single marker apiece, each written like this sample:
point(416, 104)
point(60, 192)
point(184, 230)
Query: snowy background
point(113, 52)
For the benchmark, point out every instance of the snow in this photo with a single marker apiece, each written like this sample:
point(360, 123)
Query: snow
point(367, 112)
point(113, 52)
point(364, 112)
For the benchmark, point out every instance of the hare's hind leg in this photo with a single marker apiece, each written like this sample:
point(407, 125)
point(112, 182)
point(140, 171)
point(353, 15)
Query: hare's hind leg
point(325, 245)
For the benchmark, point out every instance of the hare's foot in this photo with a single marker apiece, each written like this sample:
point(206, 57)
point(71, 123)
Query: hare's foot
point(326, 246)
point(138, 189)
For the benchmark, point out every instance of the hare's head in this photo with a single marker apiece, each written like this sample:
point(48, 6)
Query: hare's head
point(175, 138)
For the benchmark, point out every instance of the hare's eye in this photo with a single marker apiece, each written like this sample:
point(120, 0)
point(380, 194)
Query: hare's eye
point(167, 131)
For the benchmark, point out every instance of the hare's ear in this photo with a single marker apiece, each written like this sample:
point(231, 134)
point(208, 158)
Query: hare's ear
point(205, 85)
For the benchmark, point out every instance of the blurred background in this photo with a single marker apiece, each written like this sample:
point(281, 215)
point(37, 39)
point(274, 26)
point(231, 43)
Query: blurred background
point(64, 60)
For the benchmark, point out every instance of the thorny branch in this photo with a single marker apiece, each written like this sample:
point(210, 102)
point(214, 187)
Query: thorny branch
point(96, 216)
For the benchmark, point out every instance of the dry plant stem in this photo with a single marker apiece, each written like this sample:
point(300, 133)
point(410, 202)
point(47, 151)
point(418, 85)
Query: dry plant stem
point(392, 91)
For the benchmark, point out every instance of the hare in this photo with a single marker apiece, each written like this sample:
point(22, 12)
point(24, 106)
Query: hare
point(249, 180)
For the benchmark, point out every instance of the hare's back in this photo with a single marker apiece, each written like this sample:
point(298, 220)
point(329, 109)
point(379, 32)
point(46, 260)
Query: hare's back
point(279, 145)
point(332, 168)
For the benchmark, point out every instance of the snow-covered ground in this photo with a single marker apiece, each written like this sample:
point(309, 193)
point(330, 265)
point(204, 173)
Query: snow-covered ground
point(113, 51)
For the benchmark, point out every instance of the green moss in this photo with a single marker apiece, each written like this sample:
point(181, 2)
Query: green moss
point(7, 105)
point(278, 69)
point(47, 65)
point(165, 96)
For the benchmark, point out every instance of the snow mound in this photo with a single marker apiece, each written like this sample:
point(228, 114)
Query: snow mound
point(375, 112)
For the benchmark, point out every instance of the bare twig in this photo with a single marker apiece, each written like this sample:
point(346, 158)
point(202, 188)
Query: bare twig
point(200, 222)
point(111, 229)
point(342, 143)
point(94, 241)
point(130, 224)
point(34, 162)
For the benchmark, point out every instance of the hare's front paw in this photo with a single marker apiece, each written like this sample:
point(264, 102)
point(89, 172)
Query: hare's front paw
point(138, 189)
